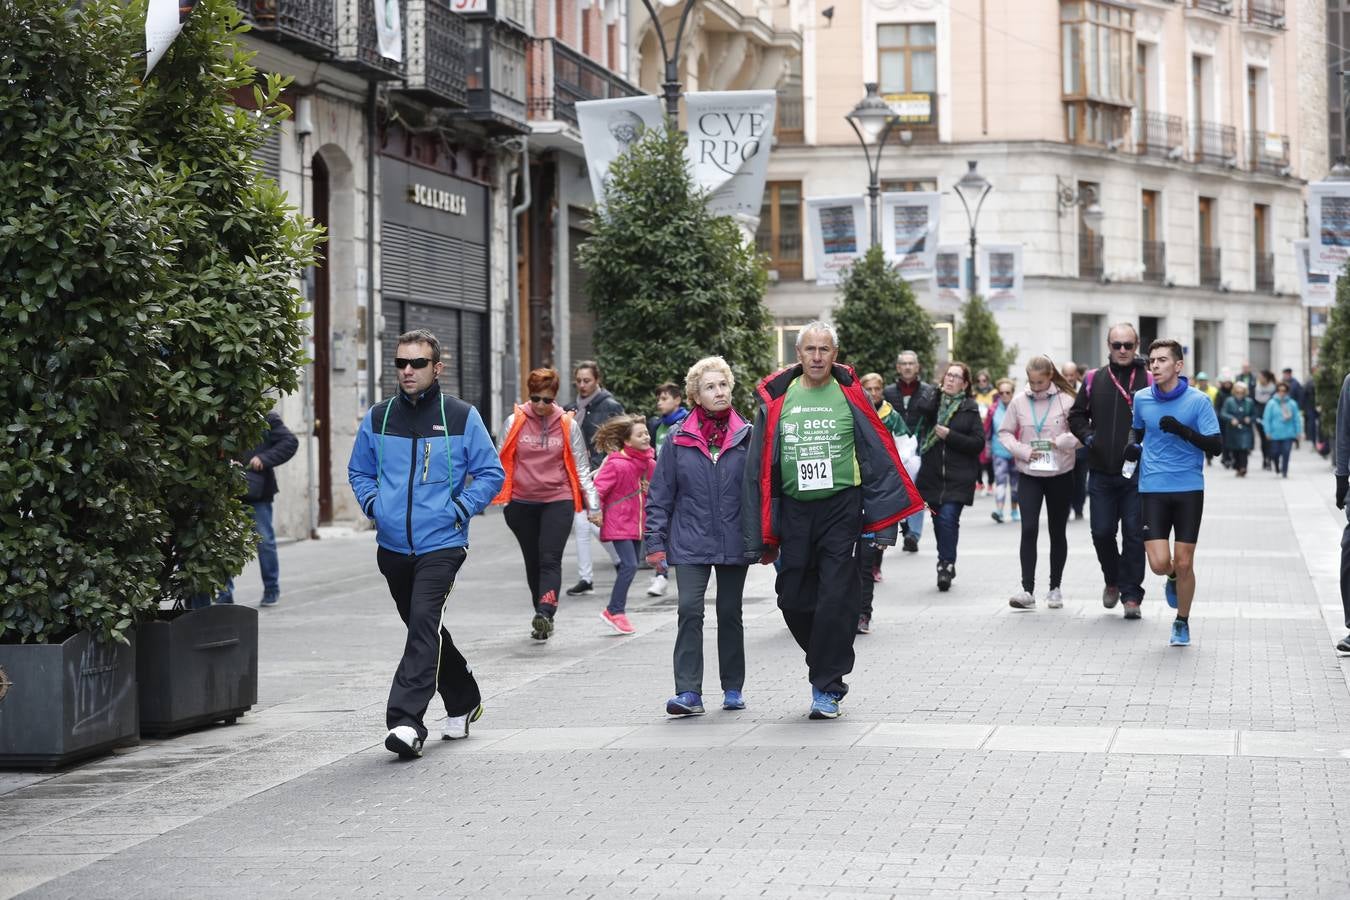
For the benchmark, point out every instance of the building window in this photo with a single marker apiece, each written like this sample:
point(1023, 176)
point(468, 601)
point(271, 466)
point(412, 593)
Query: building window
point(785, 342)
point(1260, 340)
point(1091, 245)
point(1264, 259)
point(889, 185)
point(1210, 264)
point(1098, 60)
point(1153, 252)
point(1087, 338)
point(780, 229)
point(790, 124)
point(1149, 329)
point(907, 64)
point(1205, 347)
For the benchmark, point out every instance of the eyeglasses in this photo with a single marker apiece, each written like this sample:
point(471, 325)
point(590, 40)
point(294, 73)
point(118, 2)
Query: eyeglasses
point(1122, 345)
point(420, 362)
point(535, 398)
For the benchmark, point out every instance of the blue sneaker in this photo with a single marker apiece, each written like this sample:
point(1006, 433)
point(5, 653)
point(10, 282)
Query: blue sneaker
point(685, 703)
point(825, 704)
point(1181, 634)
point(1170, 591)
point(732, 700)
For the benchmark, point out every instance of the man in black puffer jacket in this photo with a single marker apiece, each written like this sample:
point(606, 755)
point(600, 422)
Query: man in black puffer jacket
point(916, 401)
point(593, 407)
point(1100, 419)
point(278, 446)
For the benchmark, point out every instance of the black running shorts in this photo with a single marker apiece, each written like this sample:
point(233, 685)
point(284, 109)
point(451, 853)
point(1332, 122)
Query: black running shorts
point(1172, 513)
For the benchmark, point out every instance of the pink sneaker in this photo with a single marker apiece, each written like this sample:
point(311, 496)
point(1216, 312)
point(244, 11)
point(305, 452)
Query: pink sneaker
point(618, 621)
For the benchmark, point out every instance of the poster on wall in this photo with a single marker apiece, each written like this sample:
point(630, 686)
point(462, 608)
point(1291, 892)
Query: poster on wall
point(730, 136)
point(835, 227)
point(949, 273)
point(609, 128)
point(909, 229)
point(1316, 288)
point(1001, 265)
point(1328, 225)
point(163, 21)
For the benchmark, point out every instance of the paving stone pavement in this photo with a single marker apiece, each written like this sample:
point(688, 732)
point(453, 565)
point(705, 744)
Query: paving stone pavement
point(983, 751)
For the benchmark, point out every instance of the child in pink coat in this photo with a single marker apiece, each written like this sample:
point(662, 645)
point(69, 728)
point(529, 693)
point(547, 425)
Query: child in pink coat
point(622, 484)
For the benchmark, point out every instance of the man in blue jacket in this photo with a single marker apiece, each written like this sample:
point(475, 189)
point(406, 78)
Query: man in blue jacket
point(409, 468)
point(1342, 439)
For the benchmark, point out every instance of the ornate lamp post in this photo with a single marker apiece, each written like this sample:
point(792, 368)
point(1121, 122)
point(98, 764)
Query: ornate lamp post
point(671, 54)
point(973, 188)
point(871, 121)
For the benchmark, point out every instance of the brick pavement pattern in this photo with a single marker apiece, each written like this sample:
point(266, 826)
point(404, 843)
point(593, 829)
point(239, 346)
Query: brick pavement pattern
point(983, 751)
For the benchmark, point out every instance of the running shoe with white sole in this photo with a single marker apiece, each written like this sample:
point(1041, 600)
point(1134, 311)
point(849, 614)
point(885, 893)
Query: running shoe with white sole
point(1054, 599)
point(1022, 600)
point(456, 728)
point(658, 586)
point(403, 740)
point(1181, 634)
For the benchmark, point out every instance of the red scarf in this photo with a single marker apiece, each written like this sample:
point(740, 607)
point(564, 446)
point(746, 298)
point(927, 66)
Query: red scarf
point(713, 425)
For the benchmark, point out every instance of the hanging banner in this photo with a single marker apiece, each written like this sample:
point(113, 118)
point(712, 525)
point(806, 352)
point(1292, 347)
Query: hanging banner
point(1317, 288)
point(730, 135)
point(609, 128)
point(163, 21)
point(1001, 265)
point(950, 273)
point(909, 228)
point(389, 29)
point(835, 226)
point(1328, 225)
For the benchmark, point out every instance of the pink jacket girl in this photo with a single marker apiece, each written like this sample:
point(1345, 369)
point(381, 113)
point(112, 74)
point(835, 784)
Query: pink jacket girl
point(622, 484)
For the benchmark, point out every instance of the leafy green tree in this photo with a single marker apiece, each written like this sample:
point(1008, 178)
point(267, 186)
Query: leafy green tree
point(879, 317)
point(978, 343)
point(669, 282)
point(148, 303)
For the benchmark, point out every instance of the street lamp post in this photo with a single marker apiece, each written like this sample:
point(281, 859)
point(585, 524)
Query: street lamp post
point(978, 187)
point(671, 55)
point(871, 121)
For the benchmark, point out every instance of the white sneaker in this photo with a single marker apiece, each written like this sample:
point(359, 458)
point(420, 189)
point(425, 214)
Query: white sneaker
point(456, 728)
point(658, 586)
point(1022, 600)
point(403, 740)
point(1054, 599)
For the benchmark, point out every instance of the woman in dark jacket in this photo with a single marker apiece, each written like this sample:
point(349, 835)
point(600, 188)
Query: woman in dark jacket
point(694, 524)
point(1238, 417)
point(951, 465)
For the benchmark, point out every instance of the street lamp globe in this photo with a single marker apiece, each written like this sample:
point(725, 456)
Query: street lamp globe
point(872, 116)
point(1093, 215)
point(972, 183)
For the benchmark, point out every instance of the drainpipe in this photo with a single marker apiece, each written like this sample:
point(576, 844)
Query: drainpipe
point(372, 316)
point(510, 380)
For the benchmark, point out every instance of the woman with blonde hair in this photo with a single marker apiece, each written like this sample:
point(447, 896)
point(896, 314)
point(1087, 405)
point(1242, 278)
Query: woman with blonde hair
point(1035, 429)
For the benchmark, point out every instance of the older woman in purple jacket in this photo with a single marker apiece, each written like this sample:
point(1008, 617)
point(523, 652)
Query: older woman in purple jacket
point(694, 524)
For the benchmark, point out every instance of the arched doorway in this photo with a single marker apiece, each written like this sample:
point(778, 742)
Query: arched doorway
point(322, 329)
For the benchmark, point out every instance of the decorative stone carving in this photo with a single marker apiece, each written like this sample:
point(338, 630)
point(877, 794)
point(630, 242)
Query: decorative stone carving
point(1257, 47)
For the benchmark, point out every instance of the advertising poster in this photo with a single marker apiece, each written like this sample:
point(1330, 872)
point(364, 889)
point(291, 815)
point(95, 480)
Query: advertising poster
point(909, 229)
point(730, 136)
point(835, 227)
point(949, 274)
point(163, 21)
point(1001, 265)
point(610, 127)
point(1317, 288)
point(1328, 225)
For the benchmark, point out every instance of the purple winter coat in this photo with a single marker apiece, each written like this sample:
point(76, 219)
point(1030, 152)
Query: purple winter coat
point(694, 507)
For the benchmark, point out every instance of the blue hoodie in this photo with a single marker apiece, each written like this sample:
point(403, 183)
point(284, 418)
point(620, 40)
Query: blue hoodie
point(409, 467)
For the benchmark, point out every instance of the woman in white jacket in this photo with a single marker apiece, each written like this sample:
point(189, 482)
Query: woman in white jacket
point(1035, 430)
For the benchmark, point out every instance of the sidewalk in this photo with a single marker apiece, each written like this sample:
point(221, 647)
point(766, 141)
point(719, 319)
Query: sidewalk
point(983, 751)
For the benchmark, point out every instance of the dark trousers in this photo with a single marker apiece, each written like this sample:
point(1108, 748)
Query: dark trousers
point(541, 529)
point(947, 529)
point(623, 578)
point(818, 584)
point(869, 559)
point(1115, 501)
point(420, 586)
point(1280, 450)
point(692, 581)
point(1080, 480)
point(1345, 567)
point(1239, 458)
point(1056, 492)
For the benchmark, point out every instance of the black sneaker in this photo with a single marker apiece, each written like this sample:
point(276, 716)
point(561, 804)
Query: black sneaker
point(945, 573)
point(1343, 645)
point(403, 740)
point(581, 587)
point(911, 544)
point(864, 624)
point(1132, 609)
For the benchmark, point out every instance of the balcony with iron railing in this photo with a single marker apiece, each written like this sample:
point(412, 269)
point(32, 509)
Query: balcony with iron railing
point(1265, 272)
point(1210, 271)
point(1268, 152)
point(1157, 134)
point(784, 252)
point(1213, 144)
point(1091, 255)
point(560, 77)
point(358, 41)
point(1267, 13)
point(1154, 255)
point(434, 54)
point(1219, 7)
point(306, 26)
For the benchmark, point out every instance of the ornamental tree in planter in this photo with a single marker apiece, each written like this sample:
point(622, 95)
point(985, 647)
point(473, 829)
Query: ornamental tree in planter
point(878, 317)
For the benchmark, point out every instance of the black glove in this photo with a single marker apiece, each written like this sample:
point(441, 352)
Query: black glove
point(1170, 425)
point(1087, 442)
point(1133, 452)
point(1341, 484)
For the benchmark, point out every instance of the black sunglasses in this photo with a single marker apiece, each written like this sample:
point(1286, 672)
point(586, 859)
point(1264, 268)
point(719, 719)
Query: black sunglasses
point(535, 398)
point(1122, 345)
point(420, 362)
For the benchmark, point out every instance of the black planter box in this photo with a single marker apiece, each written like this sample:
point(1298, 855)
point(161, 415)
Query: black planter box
point(197, 666)
point(63, 702)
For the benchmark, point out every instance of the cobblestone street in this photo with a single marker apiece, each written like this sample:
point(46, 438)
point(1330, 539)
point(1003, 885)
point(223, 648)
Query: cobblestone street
point(983, 751)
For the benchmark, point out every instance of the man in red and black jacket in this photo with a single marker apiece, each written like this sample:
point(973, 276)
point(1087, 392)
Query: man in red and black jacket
point(822, 472)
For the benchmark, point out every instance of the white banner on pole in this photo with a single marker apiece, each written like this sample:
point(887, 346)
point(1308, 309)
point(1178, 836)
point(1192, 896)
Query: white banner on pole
point(950, 273)
point(610, 127)
point(1001, 268)
point(389, 29)
point(835, 226)
point(909, 229)
point(163, 21)
point(1316, 288)
point(730, 136)
point(1328, 225)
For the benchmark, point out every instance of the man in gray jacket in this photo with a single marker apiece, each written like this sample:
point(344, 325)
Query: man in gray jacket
point(1342, 480)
